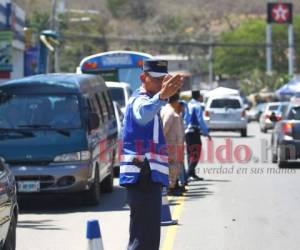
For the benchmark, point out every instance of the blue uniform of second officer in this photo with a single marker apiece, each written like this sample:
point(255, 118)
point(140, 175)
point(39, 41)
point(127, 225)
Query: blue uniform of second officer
point(194, 128)
point(144, 162)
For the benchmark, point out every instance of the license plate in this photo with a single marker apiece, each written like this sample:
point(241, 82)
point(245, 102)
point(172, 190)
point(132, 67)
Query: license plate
point(28, 186)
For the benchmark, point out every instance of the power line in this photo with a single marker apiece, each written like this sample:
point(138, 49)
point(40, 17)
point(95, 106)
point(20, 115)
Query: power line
point(144, 41)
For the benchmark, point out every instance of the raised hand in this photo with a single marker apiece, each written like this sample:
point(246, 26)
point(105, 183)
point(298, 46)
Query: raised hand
point(170, 85)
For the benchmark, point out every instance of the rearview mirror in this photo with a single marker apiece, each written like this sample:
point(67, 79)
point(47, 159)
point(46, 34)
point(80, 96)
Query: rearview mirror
point(93, 121)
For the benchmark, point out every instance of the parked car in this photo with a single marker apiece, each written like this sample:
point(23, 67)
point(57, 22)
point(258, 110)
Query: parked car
point(255, 113)
point(61, 134)
point(226, 113)
point(120, 92)
point(285, 138)
point(273, 107)
point(8, 207)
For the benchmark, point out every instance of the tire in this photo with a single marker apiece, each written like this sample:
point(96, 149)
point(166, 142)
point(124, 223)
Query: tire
point(282, 159)
point(282, 164)
point(264, 130)
point(107, 185)
point(91, 197)
point(10, 242)
point(116, 171)
point(244, 133)
point(274, 158)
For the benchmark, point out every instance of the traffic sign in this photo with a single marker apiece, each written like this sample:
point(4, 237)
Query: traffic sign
point(280, 13)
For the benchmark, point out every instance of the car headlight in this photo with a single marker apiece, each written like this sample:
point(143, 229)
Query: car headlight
point(77, 156)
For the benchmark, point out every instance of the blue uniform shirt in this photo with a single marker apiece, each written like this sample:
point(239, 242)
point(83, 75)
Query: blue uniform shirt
point(195, 111)
point(144, 109)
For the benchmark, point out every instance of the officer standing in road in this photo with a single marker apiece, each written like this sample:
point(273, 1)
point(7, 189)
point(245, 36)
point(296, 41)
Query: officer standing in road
point(144, 162)
point(195, 127)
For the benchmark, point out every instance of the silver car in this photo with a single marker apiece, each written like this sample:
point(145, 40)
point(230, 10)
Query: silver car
point(277, 109)
point(226, 113)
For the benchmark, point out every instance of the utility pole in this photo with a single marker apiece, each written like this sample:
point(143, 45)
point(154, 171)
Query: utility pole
point(291, 50)
point(269, 48)
point(55, 27)
point(210, 61)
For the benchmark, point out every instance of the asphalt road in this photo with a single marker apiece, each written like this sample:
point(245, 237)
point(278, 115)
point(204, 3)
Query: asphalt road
point(239, 205)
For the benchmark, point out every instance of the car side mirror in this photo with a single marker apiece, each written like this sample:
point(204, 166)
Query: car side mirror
point(2, 165)
point(93, 121)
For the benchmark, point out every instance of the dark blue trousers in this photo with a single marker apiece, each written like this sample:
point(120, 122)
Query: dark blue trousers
point(144, 200)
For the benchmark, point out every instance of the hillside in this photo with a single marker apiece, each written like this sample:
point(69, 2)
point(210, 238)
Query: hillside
point(202, 11)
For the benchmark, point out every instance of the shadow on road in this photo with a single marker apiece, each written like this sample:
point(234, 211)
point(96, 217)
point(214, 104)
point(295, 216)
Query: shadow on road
point(60, 204)
point(231, 136)
point(38, 225)
point(201, 189)
point(210, 180)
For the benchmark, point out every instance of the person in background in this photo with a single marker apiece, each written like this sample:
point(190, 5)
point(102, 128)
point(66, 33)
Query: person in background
point(195, 127)
point(174, 134)
point(183, 112)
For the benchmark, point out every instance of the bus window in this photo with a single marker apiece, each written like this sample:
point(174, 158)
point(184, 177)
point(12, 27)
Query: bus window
point(131, 76)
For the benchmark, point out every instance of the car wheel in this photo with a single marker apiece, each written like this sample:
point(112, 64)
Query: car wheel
point(116, 171)
point(282, 159)
point(274, 158)
point(10, 242)
point(107, 185)
point(282, 164)
point(92, 196)
point(244, 132)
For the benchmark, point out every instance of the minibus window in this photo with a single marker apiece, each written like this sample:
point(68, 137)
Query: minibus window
point(105, 108)
point(109, 105)
point(99, 106)
point(117, 95)
point(40, 111)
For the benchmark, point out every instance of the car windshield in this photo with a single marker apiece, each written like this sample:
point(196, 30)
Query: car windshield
point(294, 113)
point(283, 107)
point(226, 103)
point(117, 94)
point(39, 111)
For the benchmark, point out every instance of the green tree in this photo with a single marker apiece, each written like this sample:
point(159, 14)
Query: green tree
point(38, 21)
point(242, 60)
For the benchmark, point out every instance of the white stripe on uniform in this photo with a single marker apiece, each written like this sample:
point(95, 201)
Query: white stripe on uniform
point(160, 168)
point(129, 169)
point(156, 129)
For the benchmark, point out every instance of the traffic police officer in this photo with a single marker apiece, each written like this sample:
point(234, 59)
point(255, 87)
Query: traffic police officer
point(144, 162)
point(195, 127)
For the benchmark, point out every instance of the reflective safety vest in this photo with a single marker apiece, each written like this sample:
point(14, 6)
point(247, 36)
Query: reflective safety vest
point(140, 142)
